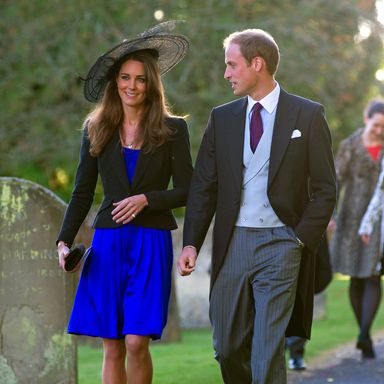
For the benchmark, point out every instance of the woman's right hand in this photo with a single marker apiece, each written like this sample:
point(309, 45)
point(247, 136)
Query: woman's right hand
point(127, 209)
point(62, 250)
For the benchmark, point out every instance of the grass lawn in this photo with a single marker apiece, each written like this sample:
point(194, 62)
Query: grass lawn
point(191, 361)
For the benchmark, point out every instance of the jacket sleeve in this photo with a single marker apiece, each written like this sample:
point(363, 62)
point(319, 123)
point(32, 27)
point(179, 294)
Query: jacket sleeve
point(82, 194)
point(322, 182)
point(181, 169)
point(202, 196)
point(342, 163)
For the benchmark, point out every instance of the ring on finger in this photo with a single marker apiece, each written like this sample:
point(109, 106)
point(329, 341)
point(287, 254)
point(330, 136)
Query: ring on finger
point(133, 215)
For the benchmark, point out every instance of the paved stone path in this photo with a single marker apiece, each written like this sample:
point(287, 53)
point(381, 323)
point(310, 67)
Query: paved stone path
point(344, 365)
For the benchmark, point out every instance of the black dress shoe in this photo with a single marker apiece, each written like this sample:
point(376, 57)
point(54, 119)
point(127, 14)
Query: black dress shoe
point(297, 364)
point(366, 346)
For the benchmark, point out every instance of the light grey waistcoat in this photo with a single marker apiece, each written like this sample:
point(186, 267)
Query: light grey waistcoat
point(255, 209)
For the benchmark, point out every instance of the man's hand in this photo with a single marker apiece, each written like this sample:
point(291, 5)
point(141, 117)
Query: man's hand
point(187, 260)
point(332, 225)
point(365, 238)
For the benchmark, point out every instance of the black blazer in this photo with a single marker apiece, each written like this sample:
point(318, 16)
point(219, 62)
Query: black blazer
point(152, 176)
point(301, 185)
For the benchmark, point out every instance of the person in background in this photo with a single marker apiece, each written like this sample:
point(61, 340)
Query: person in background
point(358, 166)
point(372, 216)
point(133, 142)
point(265, 170)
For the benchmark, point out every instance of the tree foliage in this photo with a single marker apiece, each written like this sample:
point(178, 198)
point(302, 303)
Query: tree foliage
point(48, 45)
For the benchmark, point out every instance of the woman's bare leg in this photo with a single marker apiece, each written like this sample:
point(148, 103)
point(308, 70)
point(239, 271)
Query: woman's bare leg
point(113, 371)
point(139, 362)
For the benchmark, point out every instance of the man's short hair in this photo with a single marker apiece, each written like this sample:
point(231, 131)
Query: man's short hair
point(256, 42)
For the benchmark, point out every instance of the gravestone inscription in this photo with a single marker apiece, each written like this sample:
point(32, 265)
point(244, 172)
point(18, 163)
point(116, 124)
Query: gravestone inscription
point(35, 295)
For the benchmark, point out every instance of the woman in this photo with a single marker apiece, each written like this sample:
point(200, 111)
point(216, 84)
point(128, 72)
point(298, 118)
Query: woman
point(136, 146)
point(358, 166)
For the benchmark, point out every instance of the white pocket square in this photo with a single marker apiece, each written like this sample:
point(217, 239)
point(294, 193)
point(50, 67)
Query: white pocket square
point(296, 133)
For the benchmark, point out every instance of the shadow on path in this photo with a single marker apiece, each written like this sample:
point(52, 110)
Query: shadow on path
point(344, 365)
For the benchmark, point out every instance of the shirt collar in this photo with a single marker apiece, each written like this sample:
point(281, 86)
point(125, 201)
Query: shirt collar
point(268, 102)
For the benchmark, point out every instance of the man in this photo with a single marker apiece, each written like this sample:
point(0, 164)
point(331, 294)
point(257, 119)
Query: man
point(272, 202)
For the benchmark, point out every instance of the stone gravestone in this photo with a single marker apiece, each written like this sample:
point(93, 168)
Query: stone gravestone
point(193, 291)
point(35, 295)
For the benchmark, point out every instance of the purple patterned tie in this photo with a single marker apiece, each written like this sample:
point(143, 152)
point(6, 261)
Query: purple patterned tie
point(256, 126)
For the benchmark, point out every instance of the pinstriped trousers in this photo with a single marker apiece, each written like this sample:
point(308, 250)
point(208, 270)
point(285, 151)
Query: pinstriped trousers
point(251, 303)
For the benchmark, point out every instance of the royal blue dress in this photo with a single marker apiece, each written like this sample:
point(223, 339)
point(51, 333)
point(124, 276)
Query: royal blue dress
point(125, 282)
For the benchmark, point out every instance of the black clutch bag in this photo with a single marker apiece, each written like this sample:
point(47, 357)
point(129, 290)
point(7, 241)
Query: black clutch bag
point(74, 257)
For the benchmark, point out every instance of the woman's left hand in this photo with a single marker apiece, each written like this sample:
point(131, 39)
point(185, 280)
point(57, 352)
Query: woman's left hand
point(127, 209)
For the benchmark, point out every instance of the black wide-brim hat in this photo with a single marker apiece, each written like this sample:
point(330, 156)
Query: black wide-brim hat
point(170, 49)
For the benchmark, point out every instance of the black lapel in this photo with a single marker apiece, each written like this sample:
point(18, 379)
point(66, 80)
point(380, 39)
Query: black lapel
point(116, 160)
point(234, 132)
point(141, 167)
point(286, 115)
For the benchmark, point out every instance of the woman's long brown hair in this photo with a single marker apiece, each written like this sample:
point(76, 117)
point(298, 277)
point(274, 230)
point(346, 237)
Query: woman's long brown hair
point(108, 115)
